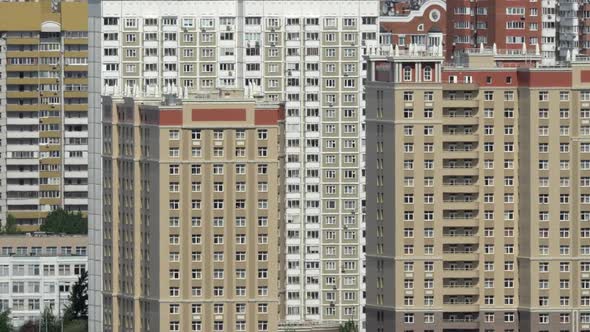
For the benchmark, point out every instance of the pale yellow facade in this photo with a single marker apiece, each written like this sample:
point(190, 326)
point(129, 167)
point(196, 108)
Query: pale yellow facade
point(192, 215)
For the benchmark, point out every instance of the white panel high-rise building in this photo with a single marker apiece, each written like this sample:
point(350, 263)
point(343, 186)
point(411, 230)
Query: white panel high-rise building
point(308, 53)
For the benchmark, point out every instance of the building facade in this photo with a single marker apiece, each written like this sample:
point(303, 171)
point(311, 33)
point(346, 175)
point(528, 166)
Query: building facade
point(192, 213)
point(477, 185)
point(307, 53)
point(43, 87)
point(421, 27)
point(507, 24)
point(37, 272)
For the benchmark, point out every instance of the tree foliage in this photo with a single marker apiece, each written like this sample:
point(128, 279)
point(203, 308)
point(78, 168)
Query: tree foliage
point(349, 326)
point(77, 307)
point(47, 322)
point(10, 226)
point(61, 221)
point(5, 321)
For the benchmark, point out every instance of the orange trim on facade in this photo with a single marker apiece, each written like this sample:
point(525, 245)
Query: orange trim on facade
point(171, 118)
point(268, 117)
point(546, 78)
point(222, 114)
point(585, 76)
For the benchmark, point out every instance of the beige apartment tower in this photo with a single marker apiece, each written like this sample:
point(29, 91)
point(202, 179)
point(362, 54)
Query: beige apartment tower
point(43, 107)
point(478, 179)
point(192, 213)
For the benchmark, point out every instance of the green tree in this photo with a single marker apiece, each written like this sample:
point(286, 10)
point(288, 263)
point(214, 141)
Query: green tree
point(349, 326)
point(77, 308)
point(61, 221)
point(49, 322)
point(5, 321)
point(10, 226)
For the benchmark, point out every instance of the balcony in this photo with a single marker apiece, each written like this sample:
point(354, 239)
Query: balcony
point(471, 290)
point(461, 272)
point(23, 201)
point(460, 239)
point(22, 134)
point(460, 188)
point(76, 174)
point(77, 134)
point(459, 255)
point(461, 120)
point(76, 187)
point(22, 121)
point(460, 324)
point(459, 170)
point(76, 160)
point(76, 107)
point(460, 205)
point(22, 175)
point(76, 201)
point(460, 103)
point(460, 154)
point(76, 121)
point(22, 94)
point(18, 108)
point(460, 306)
point(22, 187)
point(461, 222)
point(460, 137)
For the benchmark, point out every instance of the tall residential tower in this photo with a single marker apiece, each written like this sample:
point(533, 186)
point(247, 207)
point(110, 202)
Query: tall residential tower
point(43, 108)
point(478, 186)
point(192, 213)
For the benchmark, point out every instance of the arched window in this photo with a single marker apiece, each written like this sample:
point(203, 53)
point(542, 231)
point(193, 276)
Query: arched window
point(407, 73)
point(428, 73)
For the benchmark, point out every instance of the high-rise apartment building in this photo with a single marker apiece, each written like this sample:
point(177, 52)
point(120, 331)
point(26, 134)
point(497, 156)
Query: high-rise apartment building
point(308, 53)
point(43, 103)
point(478, 193)
point(192, 213)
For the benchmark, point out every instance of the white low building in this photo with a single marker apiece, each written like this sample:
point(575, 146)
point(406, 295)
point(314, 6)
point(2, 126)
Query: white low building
point(38, 271)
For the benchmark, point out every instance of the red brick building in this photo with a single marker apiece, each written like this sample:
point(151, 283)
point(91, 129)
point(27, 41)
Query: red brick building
point(506, 23)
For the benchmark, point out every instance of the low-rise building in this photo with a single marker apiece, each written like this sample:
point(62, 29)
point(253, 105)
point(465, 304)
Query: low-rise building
point(37, 271)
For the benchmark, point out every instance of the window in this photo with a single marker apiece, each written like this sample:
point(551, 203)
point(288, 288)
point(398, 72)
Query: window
point(407, 73)
point(428, 73)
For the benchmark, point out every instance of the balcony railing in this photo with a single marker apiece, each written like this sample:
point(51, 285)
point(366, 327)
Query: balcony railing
point(459, 286)
point(459, 269)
